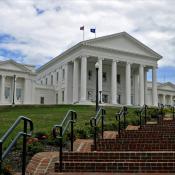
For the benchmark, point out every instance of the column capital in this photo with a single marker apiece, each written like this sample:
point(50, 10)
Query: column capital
point(129, 62)
point(100, 58)
point(4, 76)
point(115, 60)
point(83, 56)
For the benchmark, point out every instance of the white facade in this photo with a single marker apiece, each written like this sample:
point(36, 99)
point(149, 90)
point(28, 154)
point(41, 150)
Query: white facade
point(123, 65)
point(70, 78)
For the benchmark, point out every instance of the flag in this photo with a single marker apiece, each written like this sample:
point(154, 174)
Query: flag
point(82, 28)
point(92, 30)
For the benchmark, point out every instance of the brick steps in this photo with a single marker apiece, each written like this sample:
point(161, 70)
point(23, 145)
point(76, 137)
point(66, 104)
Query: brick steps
point(126, 167)
point(120, 156)
point(135, 147)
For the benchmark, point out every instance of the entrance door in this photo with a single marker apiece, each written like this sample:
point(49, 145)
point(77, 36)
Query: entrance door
point(42, 100)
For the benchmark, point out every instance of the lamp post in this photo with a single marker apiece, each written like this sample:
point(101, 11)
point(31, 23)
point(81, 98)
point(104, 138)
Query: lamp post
point(14, 81)
point(97, 68)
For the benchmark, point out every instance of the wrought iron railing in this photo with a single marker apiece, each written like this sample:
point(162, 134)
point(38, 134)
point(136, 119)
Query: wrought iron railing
point(24, 133)
point(173, 112)
point(94, 121)
point(142, 112)
point(122, 114)
point(59, 131)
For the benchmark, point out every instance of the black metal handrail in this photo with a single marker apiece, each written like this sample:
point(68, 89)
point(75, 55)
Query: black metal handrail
point(140, 112)
point(94, 123)
point(173, 111)
point(123, 112)
point(23, 133)
point(58, 132)
point(160, 111)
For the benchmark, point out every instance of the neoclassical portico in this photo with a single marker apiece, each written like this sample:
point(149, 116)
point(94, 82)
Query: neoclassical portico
point(123, 66)
point(115, 65)
point(16, 83)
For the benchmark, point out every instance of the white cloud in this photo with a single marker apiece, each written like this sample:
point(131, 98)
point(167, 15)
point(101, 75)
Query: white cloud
point(41, 37)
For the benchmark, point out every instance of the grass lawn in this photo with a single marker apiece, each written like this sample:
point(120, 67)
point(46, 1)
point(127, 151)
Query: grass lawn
point(44, 117)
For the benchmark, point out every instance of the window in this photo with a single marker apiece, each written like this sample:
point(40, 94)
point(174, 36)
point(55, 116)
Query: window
point(63, 75)
point(90, 96)
point(118, 78)
point(51, 79)
point(62, 96)
point(105, 98)
point(41, 82)
point(89, 75)
point(104, 76)
point(42, 100)
point(56, 98)
point(57, 76)
point(7, 92)
point(46, 81)
point(18, 93)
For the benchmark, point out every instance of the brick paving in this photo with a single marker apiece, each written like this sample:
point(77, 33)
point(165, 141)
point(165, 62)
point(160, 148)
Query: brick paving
point(44, 163)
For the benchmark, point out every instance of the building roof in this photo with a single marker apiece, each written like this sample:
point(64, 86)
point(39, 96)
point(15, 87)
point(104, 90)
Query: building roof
point(90, 41)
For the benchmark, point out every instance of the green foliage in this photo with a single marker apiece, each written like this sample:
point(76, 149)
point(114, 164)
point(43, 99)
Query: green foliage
point(35, 147)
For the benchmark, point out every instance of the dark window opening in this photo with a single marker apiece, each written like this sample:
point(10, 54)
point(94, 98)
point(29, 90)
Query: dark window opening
point(104, 76)
point(118, 78)
point(42, 100)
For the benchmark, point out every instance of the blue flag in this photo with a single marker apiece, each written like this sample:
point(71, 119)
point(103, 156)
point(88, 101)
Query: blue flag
point(92, 30)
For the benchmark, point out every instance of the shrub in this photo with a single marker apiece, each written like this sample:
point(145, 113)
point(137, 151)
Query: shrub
point(35, 147)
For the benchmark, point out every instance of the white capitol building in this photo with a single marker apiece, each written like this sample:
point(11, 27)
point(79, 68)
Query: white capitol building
point(70, 78)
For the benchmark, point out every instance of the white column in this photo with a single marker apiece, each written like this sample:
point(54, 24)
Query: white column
point(83, 78)
point(26, 93)
point(136, 88)
point(171, 100)
point(163, 100)
point(154, 86)
point(66, 100)
point(75, 80)
point(2, 89)
point(60, 86)
point(145, 86)
point(128, 83)
point(14, 86)
point(141, 85)
point(114, 82)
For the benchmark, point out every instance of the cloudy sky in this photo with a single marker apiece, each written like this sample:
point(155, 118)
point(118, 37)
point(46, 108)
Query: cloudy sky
point(35, 31)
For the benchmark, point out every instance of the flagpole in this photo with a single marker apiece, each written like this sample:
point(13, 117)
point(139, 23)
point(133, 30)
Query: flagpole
point(95, 32)
point(83, 35)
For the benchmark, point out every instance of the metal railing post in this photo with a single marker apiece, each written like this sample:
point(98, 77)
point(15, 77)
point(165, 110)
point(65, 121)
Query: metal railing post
point(140, 119)
point(145, 114)
point(95, 135)
point(61, 151)
point(102, 123)
point(24, 148)
point(72, 131)
point(124, 115)
point(119, 126)
point(0, 157)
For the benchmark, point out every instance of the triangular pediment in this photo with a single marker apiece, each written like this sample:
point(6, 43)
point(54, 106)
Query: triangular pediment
point(167, 86)
point(123, 42)
point(11, 65)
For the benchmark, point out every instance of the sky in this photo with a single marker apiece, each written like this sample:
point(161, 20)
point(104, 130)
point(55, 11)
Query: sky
point(35, 31)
